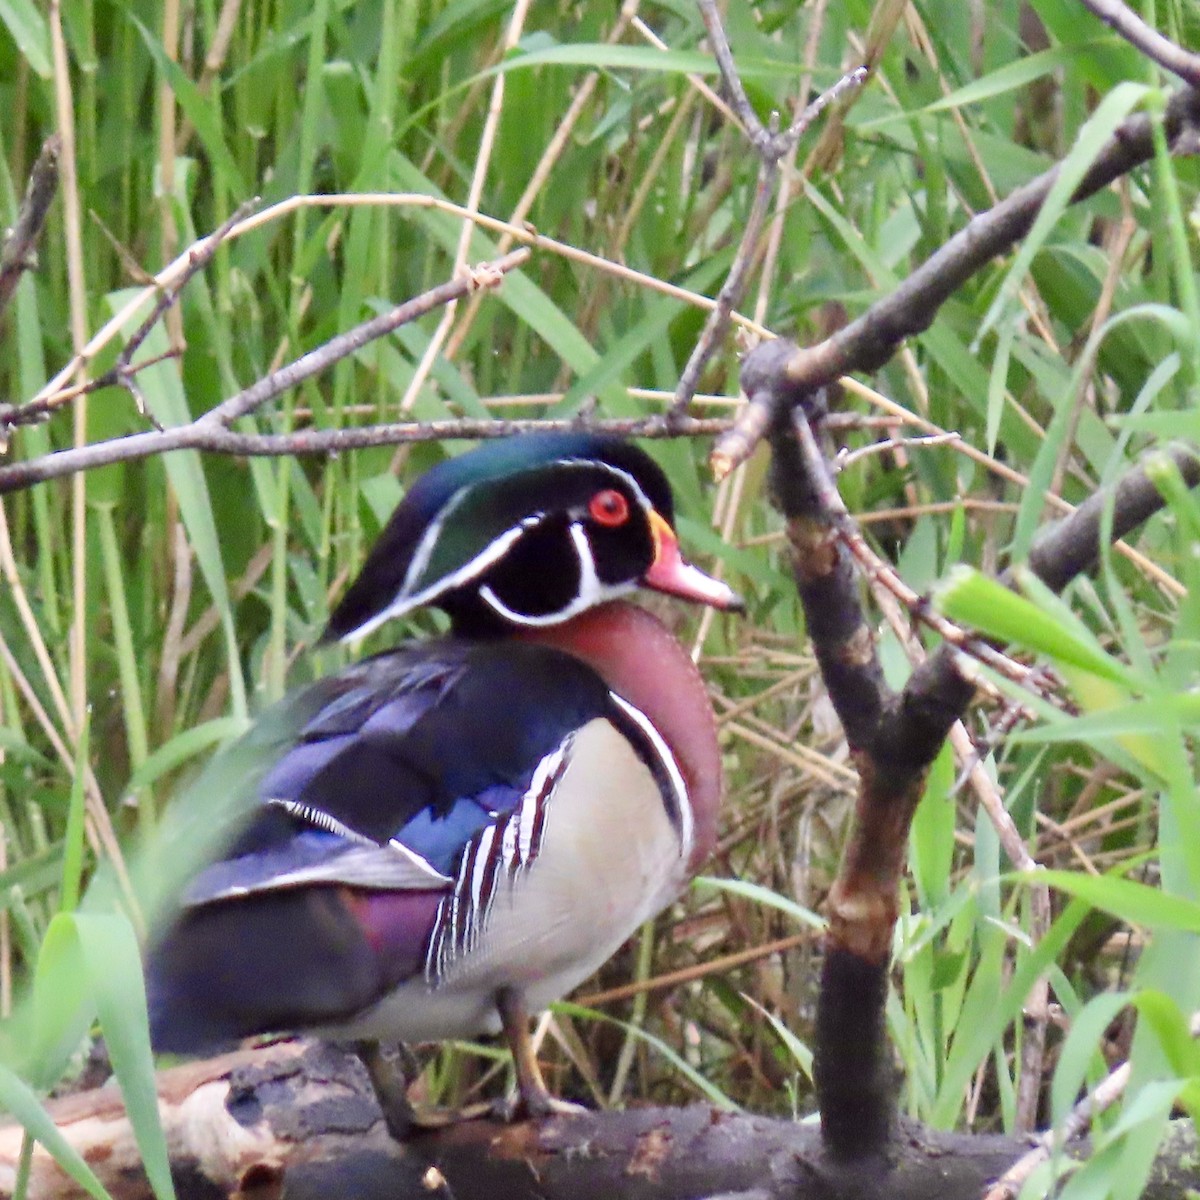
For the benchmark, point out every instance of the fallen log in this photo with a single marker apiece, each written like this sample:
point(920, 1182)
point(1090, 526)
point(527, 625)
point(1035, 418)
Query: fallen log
point(297, 1120)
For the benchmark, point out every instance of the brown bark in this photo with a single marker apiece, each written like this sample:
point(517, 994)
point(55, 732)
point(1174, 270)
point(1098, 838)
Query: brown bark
point(298, 1120)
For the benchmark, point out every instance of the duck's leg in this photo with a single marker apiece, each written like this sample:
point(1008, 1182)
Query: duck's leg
point(390, 1084)
point(389, 1072)
point(533, 1098)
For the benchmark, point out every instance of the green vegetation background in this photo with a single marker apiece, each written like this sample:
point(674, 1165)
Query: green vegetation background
point(150, 610)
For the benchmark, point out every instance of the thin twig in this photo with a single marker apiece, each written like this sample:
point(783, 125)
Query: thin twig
point(731, 290)
point(739, 101)
point(732, 489)
point(214, 438)
point(525, 236)
point(19, 250)
point(124, 371)
point(772, 147)
point(344, 344)
point(846, 458)
point(1169, 585)
point(697, 81)
point(871, 339)
point(211, 432)
point(198, 257)
point(43, 407)
point(879, 572)
point(1102, 1097)
point(1148, 41)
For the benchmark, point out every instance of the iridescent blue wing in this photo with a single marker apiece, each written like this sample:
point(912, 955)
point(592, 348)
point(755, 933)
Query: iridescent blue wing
point(328, 894)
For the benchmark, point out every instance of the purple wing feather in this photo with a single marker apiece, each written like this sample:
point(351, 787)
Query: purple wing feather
point(329, 894)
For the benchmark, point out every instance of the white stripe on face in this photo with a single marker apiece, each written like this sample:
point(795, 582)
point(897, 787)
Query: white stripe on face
point(406, 600)
point(592, 590)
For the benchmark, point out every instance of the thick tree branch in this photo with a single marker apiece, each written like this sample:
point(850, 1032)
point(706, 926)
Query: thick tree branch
point(893, 740)
point(1071, 546)
point(893, 737)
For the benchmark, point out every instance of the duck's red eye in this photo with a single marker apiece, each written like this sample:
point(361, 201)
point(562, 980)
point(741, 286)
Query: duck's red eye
point(609, 507)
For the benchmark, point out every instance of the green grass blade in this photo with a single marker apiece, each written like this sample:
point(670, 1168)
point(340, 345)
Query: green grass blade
point(109, 952)
point(704, 1086)
point(20, 1100)
point(31, 33)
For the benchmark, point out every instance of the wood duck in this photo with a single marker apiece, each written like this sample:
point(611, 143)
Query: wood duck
point(460, 830)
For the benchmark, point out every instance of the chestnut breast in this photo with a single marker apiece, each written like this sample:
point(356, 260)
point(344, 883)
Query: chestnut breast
point(639, 659)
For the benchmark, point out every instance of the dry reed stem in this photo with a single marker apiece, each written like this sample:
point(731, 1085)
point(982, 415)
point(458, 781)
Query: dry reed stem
point(483, 158)
point(541, 173)
point(170, 274)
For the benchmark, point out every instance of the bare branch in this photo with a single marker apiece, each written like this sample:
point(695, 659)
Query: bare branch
point(772, 147)
point(729, 74)
point(525, 235)
point(214, 438)
point(1069, 547)
point(211, 431)
point(1147, 40)
point(870, 340)
point(299, 1119)
point(770, 143)
point(18, 252)
point(894, 738)
point(123, 373)
point(731, 291)
point(844, 86)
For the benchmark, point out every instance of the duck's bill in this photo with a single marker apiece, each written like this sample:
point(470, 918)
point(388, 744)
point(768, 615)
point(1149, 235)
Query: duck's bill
point(671, 574)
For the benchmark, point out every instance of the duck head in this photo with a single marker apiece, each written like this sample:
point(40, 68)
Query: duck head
point(526, 532)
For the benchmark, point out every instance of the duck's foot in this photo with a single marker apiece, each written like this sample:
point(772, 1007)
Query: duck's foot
point(532, 1098)
point(518, 1107)
point(389, 1070)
